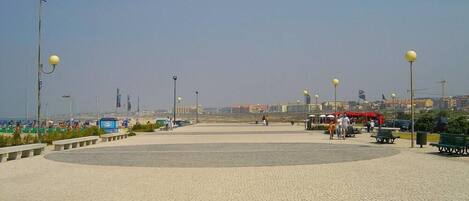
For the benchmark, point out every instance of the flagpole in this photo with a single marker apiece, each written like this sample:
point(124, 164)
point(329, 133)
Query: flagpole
point(138, 108)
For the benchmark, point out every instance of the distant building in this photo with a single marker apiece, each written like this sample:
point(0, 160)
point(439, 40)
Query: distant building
point(341, 106)
point(277, 108)
point(235, 109)
point(420, 103)
point(188, 110)
point(307, 108)
point(258, 108)
point(462, 102)
point(210, 110)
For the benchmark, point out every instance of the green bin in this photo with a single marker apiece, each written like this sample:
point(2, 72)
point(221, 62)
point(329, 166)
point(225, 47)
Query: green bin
point(422, 138)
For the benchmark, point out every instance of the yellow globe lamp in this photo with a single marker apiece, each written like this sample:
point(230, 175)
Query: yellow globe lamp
point(411, 56)
point(54, 60)
point(335, 81)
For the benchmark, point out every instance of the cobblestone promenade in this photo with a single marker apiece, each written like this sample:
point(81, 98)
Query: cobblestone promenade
point(237, 162)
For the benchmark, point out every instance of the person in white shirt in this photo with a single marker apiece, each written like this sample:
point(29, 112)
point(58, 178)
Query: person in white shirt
point(345, 124)
point(372, 125)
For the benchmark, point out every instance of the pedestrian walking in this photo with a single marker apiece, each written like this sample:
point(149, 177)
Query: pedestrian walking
point(345, 124)
point(331, 130)
point(267, 120)
point(263, 120)
point(339, 127)
point(171, 124)
point(166, 124)
point(372, 125)
point(368, 126)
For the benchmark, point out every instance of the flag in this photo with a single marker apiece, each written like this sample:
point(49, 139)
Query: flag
point(129, 107)
point(384, 97)
point(138, 103)
point(118, 99)
point(361, 95)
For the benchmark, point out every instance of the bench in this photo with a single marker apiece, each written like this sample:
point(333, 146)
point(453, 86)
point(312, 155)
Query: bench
point(452, 143)
point(61, 145)
point(113, 136)
point(21, 151)
point(385, 136)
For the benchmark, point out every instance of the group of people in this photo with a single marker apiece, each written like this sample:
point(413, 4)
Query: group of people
point(169, 124)
point(370, 126)
point(339, 127)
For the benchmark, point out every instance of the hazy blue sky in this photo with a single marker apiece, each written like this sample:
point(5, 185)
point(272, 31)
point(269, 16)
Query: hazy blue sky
point(232, 51)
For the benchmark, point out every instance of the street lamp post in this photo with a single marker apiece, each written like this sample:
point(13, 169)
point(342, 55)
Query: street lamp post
point(70, 106)
point(174, 103)
point(393, 95)
point(196, 107)
point(54, 60)
point(316, 97)
point(307, 100)
point(335, 82)
point(411, 56)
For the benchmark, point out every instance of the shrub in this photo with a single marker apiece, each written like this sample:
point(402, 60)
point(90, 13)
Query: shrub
point(94, 130)
point(144, 127)
point(426, 122)
point(5, 141)
point(458, 125)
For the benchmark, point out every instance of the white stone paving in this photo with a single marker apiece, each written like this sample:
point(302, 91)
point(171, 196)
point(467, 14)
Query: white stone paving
point(413, 174)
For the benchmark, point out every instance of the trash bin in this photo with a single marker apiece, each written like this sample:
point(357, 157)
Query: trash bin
point(309, 123)
point(421, 138)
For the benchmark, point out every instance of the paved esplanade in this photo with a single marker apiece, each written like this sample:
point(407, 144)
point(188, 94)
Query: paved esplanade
point(238, 162)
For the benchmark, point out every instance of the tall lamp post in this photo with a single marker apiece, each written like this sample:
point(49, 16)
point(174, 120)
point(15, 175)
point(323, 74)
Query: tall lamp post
point(411, 56)
point(316, 97)
point(335, 82)
point(393, 95)
point(174, 103)
point(307, 100)
point(196, 107)
point(54, 60)
point(69, 97)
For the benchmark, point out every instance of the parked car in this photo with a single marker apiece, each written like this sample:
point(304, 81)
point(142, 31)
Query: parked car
point(404, 125)
point(161, 121)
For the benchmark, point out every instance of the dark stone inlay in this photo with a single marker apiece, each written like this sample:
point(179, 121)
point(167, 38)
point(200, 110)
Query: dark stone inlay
point(222, 154)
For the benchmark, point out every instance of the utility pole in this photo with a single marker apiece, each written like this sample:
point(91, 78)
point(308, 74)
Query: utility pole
point(97, 108)
point(174, 100)
point(138, 108)
point(196, 107)
point(443, 95)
